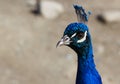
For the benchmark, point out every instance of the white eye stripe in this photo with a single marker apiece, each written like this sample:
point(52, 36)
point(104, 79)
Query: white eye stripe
point(73, 35)
point(83, 39)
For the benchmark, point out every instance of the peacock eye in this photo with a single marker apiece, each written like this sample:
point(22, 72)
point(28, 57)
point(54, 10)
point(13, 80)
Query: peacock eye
point(80, 35)
point(66, 38)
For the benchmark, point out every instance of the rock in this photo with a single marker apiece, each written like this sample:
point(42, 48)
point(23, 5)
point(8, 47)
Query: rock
point(31, 3)
point(49, 9)
point(109, 16)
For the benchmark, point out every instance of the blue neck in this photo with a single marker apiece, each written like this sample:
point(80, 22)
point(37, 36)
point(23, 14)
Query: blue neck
point(87, 73)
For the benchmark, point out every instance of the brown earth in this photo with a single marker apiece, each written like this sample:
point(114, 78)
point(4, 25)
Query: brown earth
point(28, 53)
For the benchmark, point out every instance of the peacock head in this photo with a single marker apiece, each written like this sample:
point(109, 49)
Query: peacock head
point(76, 36)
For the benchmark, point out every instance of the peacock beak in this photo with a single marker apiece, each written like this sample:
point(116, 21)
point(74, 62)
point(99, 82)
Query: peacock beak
point(65, 40)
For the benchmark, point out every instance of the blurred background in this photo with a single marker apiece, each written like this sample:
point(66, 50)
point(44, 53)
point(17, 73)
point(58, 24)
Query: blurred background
point(28, 53)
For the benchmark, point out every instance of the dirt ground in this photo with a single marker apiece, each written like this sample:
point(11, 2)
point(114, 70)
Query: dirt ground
point(28, 53)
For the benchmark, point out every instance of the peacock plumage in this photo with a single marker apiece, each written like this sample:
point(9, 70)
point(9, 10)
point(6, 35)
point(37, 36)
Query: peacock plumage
point(77, 37)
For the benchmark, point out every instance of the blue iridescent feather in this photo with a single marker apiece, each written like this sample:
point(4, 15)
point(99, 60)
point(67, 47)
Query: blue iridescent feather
point(77, 37)
point(86, 73)
point(81, 14)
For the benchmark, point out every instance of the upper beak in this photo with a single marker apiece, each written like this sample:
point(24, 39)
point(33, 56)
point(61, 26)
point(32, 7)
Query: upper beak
point(65, 40)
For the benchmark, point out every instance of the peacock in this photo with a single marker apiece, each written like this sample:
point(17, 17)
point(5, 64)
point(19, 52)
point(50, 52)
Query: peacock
point(77, 37)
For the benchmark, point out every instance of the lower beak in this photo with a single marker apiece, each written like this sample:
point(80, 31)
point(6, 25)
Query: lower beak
point(65, 40)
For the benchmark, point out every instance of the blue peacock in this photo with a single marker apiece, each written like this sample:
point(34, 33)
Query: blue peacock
point(77, 37)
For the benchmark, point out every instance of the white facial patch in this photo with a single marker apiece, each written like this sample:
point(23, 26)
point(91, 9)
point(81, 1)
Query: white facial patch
point(73, 35)
point(83, 39)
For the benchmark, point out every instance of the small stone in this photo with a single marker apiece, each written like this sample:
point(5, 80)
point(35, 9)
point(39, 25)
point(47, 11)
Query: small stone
point(49, 9)
point(109, 16)
point(31, 2)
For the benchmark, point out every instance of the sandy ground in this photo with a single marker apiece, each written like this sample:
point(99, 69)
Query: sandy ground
point(28, 53)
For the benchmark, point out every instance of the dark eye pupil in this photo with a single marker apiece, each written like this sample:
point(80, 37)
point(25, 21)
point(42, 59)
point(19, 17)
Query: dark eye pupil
point(80, 35)
point(66, 38)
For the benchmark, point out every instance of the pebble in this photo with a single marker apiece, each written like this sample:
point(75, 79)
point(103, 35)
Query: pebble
point(109, 16)
point(49, 9)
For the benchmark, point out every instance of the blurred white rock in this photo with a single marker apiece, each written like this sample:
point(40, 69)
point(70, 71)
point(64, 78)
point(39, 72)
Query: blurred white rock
point(31, 3)
point(110, 16)
point(49, 9)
